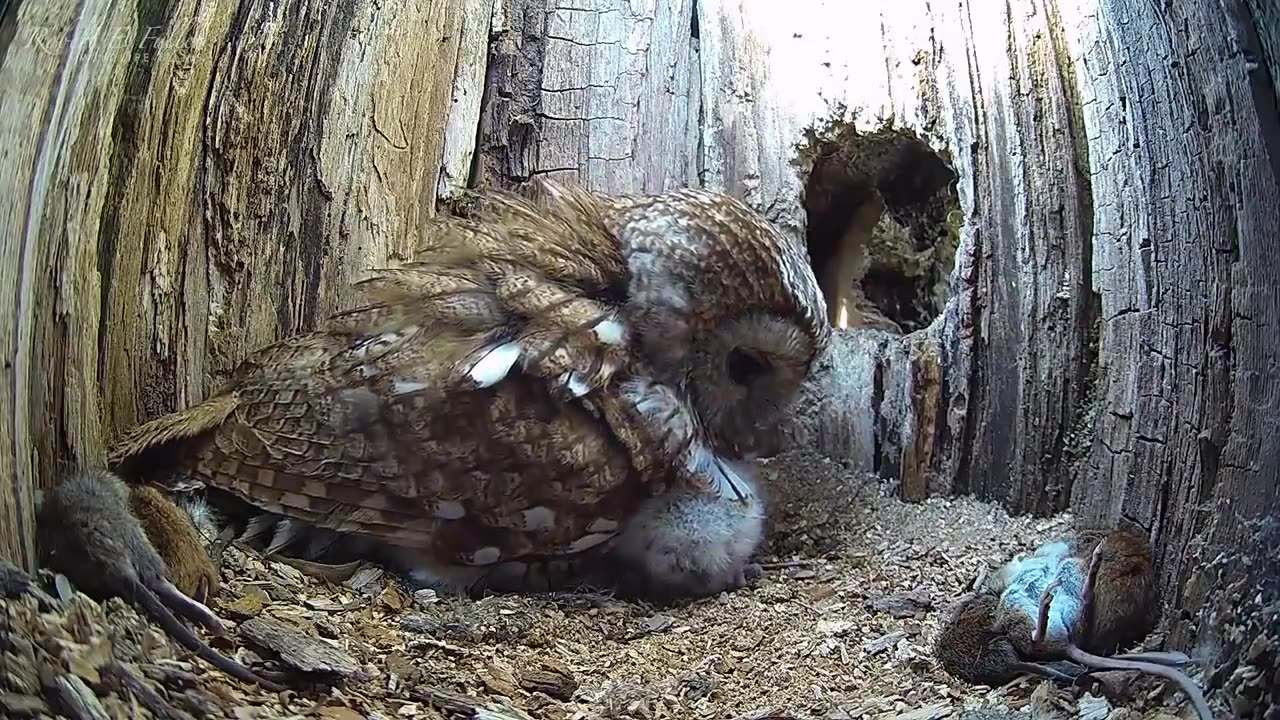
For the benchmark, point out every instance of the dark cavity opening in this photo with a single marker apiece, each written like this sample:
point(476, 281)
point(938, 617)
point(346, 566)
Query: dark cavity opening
point(884, 223)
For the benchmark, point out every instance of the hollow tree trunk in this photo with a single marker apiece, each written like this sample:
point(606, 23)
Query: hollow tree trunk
point(1101, 342)
point(185, 181)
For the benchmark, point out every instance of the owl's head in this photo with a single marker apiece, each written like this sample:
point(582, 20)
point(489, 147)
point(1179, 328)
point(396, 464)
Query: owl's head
point(724, 307)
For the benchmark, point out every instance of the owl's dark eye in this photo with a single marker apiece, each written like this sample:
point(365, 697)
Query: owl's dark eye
point(744, 367)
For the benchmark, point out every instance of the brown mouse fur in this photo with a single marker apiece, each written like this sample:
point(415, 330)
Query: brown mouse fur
point(86, 532)
point(174, 537)
point(1103, 584)
point(973, 648)
point(1125, 607)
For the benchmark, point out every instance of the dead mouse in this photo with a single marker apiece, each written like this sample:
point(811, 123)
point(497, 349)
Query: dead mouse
point(86, 532)
point(1101, 597)
point(972, 647)
point(174, 537)
point(1076, 599)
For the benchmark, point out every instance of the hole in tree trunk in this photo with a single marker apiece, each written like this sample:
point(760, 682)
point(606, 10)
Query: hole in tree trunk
point(884, 224)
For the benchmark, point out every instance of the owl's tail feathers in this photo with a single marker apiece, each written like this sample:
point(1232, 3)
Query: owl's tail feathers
point(144, 442)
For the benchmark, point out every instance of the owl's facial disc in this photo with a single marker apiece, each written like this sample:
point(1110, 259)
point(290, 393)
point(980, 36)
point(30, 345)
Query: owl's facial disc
point(746, 376)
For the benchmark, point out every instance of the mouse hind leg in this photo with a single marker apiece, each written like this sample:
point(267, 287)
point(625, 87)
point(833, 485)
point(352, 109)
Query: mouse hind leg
point(1088, 617)
point(1042, 619)
point(1091, 575)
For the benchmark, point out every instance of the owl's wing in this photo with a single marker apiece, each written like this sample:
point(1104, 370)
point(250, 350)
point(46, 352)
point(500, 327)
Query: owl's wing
point(541, 284)
point(455, 411)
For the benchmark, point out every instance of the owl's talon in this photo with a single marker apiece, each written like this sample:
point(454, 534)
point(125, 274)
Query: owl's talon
point(610, 332)
point(576, 384)
point(745, 576)
point(738, 582)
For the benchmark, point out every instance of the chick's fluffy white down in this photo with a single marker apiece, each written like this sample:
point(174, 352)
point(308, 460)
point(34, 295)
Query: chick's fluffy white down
point(692, 543)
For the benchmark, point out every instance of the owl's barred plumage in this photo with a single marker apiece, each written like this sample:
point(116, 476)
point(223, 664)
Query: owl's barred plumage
point(510, 398)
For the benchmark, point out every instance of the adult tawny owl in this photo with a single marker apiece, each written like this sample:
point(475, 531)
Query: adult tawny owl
point(548, 384)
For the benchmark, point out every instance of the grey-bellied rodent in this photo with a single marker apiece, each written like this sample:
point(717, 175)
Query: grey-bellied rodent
point(87, 532)
point(1078, 599)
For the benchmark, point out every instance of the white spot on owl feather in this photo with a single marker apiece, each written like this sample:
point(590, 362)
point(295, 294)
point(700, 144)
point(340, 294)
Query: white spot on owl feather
point(586, 542)
point(602, 525)
point(610, 332)
point(539, 518)
point(404, 387)
point(368, 371)
point(496, 363)
point(487, 555)
point(449, 510)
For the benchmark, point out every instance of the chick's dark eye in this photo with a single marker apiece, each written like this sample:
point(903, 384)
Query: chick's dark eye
point(744, 367)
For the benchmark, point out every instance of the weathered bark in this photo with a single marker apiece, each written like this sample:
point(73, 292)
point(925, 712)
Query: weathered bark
point(185, 181)
point(603, 92)
point(1105, 346)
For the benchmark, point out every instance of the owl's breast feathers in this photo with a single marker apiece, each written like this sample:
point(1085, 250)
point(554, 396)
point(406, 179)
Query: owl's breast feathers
point(470, 405)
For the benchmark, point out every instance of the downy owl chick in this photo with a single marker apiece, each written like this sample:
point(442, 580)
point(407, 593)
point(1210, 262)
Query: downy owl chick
point(690, 544)
point(496, 413)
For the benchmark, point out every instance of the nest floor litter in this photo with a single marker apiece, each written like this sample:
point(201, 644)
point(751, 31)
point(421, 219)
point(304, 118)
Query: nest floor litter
point(840, 627)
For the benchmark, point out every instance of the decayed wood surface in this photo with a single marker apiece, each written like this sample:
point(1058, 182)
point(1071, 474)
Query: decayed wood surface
point(1106, 348)
point(186, 181)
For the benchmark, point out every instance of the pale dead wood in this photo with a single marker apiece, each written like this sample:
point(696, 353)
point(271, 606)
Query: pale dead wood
point(72, 696)
point(187, 181)
point(127, 682)
point(297, 649)
point(56, 179)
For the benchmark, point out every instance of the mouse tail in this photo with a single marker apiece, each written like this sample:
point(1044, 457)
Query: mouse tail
point(1172, 659)
point(1047, 671)
point(1188, 687)
point(183, 634)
